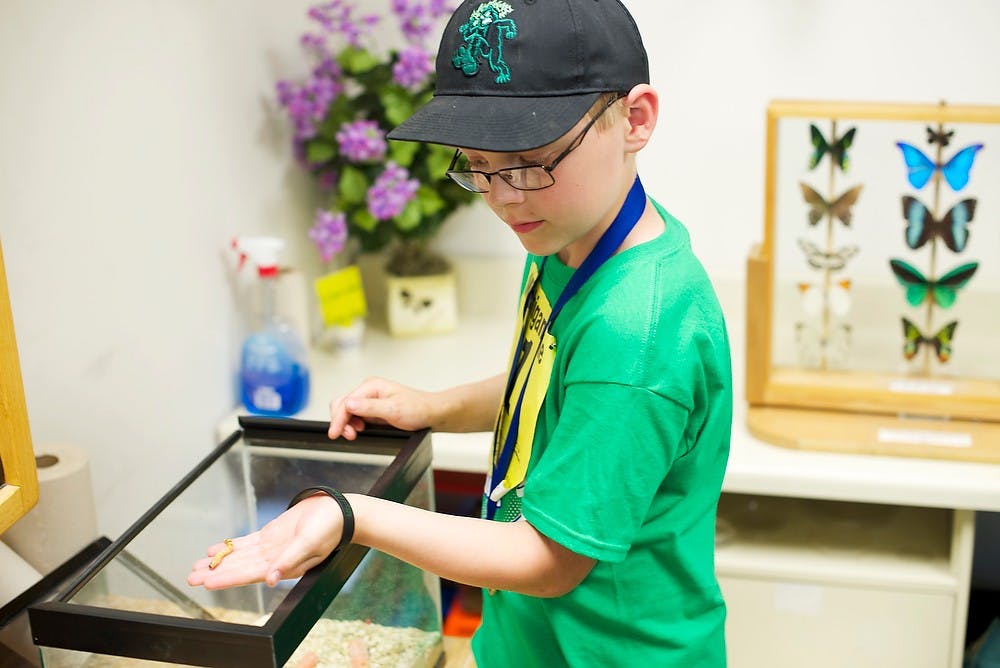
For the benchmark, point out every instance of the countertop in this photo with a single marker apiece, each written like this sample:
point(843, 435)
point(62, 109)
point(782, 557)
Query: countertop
point(479, 347)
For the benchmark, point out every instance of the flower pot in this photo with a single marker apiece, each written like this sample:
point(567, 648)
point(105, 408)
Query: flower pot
point(418, 305)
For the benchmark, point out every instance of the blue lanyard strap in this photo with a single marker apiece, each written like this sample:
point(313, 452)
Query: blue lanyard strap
point(610, 241)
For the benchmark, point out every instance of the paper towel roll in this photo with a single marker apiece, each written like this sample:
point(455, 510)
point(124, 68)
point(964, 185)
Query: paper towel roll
point(16, 575)
point(64, 521)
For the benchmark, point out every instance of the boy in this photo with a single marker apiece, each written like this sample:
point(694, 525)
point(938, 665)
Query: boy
point(597, 538)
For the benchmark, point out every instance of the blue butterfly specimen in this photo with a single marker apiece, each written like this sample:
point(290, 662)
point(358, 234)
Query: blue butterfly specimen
point(953, 228)
point(836, 148)
point(942, 291)
point(920, 168)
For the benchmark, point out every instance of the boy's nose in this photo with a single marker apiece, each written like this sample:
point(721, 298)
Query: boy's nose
point(502, 192)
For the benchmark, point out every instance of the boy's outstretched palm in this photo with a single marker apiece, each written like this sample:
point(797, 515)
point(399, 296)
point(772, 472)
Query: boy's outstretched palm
point(286, 547)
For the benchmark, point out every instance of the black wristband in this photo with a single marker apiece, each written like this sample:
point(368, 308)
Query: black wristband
point(345, 508)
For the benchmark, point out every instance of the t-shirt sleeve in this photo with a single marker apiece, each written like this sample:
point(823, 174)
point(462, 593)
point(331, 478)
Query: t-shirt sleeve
point(592, 488)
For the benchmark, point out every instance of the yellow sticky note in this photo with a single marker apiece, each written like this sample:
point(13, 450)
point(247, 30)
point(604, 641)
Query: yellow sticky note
point(341, 297)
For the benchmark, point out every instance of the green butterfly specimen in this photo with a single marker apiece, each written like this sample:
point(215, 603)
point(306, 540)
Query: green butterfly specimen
point(837, 148)
point(840, 208)
point(943, 291)
point(913, 338)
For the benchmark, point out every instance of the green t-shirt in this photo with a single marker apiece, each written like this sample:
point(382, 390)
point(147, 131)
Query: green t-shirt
point(626, 467)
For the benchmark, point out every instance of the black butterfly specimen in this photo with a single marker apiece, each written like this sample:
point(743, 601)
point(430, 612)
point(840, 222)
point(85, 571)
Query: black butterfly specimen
point(913, 338)
point(840, 208)
point(953, 228)
point(837, 148)
point(942, 138)
point(833, 261)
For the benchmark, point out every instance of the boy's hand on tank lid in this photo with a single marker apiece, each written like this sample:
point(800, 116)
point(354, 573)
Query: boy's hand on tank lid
point(342, 422)
point(379, 401)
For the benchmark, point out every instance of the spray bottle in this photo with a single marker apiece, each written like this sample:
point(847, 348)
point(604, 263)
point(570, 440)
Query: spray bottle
point(274, 378)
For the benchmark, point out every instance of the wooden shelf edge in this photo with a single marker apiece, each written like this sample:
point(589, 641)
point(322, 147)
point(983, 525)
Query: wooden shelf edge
point(859, 433)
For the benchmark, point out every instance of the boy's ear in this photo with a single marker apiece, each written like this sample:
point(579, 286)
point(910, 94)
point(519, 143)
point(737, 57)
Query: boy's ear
point(643, 106)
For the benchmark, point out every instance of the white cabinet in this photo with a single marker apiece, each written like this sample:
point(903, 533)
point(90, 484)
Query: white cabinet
point(828, 583)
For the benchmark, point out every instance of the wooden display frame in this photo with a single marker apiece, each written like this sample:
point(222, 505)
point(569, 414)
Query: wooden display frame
point(831, 397)
point(18, 476)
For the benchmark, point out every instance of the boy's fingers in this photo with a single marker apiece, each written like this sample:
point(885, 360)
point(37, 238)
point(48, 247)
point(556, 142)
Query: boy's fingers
point(372, 408)
point(346, 419)
point(353, 427)
point(338, 417)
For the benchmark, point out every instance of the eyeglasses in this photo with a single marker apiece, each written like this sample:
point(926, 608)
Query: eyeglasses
point(528, 177)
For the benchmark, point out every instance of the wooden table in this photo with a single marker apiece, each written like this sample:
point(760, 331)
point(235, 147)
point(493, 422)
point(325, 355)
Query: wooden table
point(458, 653)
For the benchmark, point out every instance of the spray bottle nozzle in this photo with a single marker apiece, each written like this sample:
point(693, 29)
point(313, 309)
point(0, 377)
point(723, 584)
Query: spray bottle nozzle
point(262, 251)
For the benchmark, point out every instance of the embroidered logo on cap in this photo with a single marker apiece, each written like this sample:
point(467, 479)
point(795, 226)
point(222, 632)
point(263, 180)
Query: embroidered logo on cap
point(484, 34)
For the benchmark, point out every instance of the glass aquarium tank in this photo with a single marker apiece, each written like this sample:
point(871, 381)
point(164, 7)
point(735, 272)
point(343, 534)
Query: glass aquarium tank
point(360, 607)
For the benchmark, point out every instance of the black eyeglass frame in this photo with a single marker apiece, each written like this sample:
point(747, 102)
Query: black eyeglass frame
point(452, 173)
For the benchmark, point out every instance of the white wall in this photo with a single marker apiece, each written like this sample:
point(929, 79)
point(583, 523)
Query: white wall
point(137, 136)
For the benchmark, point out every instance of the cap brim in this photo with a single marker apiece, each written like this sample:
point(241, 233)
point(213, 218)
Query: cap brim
point(501, 124)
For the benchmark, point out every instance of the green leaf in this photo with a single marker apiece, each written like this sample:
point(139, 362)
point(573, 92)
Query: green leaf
point(319, 151)
point(354, 60)
point(430, 201)
point(364, 220)
point(398, 104)
point(403, 152)
point(353, 185)
point(409, 219)
point(438, 160)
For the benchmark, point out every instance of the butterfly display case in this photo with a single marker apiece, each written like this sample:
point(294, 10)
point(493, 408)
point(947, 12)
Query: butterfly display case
point(133, 607)
point(18, 477)
point(873, 301)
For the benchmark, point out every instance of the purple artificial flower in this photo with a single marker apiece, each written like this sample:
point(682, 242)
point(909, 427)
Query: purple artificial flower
point(329, 233)
point(328, 180)
point(336, 18)
point(286, 91)
point(414, 20)
point(328, 68)
point(362, 141)
point(392, 191)
point(440, 8)
point(313, 42)
point(300, 112)
point(322, 91)
point(307, 104)
point(413, 67)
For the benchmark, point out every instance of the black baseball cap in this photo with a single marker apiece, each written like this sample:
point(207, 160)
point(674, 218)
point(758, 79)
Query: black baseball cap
point(513, 75)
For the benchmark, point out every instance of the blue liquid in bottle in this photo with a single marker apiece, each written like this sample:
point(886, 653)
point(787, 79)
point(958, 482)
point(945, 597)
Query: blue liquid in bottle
point(274, 379)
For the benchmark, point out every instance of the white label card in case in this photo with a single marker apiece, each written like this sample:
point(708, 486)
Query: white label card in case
point(921, 387)
point(925, 437)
